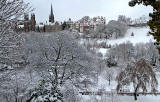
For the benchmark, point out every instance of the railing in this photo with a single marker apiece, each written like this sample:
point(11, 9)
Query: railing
point(109, 93)
point(98, 93)
point(139, 93)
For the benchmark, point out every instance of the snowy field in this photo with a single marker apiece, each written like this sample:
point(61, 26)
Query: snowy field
point(140, 36)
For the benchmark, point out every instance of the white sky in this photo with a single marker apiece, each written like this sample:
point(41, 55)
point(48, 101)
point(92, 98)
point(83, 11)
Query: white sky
point(76, 9)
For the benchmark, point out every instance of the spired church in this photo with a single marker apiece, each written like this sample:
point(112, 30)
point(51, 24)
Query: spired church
point(28, 25)
point(51, 16)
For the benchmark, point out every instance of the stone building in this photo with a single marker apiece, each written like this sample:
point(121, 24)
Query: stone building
point(28, 24)
point(49, 27)
point(52, 26)
point(33, 22)
point(86, 23)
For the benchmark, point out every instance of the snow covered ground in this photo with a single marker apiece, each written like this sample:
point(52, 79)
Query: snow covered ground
point(103, 84)
point(148, 98)
point(140, 36)
point(117, 98)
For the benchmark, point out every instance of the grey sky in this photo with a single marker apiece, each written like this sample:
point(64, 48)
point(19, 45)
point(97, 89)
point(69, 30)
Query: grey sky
point(76, 9)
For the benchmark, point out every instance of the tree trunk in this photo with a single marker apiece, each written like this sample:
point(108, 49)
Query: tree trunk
point(135, 93)
point(33, 96)
point(135, 96)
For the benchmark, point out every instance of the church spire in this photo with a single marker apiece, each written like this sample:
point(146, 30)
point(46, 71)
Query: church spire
point(51, 17)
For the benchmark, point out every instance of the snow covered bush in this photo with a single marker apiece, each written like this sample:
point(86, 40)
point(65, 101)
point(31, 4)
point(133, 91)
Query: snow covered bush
point(46, 92)
point(111, 62)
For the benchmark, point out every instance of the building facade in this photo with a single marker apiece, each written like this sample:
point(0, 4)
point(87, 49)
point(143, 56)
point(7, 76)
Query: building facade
point(86, 23)
point(83, 25)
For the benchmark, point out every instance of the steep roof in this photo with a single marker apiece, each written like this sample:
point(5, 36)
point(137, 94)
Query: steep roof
point(51, 17)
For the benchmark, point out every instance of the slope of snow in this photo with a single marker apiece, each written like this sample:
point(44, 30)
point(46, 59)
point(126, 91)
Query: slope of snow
point(140, 36)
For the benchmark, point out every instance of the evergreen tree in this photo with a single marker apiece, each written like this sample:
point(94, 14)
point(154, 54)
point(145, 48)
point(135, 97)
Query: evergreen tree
point(64, 25)
point(111, 62)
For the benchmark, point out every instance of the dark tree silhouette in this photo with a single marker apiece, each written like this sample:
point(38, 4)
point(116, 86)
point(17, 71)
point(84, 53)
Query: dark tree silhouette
point(64, 25)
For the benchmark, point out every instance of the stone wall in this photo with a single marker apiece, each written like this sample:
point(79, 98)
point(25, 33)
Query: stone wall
point(52, 28)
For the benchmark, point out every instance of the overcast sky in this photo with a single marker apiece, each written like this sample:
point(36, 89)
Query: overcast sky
point(76, 9)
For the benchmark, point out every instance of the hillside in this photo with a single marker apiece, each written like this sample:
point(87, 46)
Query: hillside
point(140, 36)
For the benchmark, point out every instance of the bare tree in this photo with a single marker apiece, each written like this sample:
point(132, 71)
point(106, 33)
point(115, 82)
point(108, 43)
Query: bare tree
point(141, 75)
point(11, 12)
point(58, 58)
point(109, 75)
point(124, 19)
point(117, 28)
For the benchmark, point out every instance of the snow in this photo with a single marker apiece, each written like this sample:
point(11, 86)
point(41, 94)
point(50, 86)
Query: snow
point(50, 23)
point(103, 84)
point(147, 98)
point(140, 36)
point(5, 67)
point(20, 26)
point(103, 51)
point(40, 25)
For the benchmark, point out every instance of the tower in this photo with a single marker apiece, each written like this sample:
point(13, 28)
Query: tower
point(51, 16)
point(26, 22)
point(33, 22)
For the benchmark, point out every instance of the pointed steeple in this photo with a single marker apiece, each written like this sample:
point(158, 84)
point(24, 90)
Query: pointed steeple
point(51, 17)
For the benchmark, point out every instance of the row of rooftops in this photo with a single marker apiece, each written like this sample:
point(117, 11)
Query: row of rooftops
point(87, 21)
